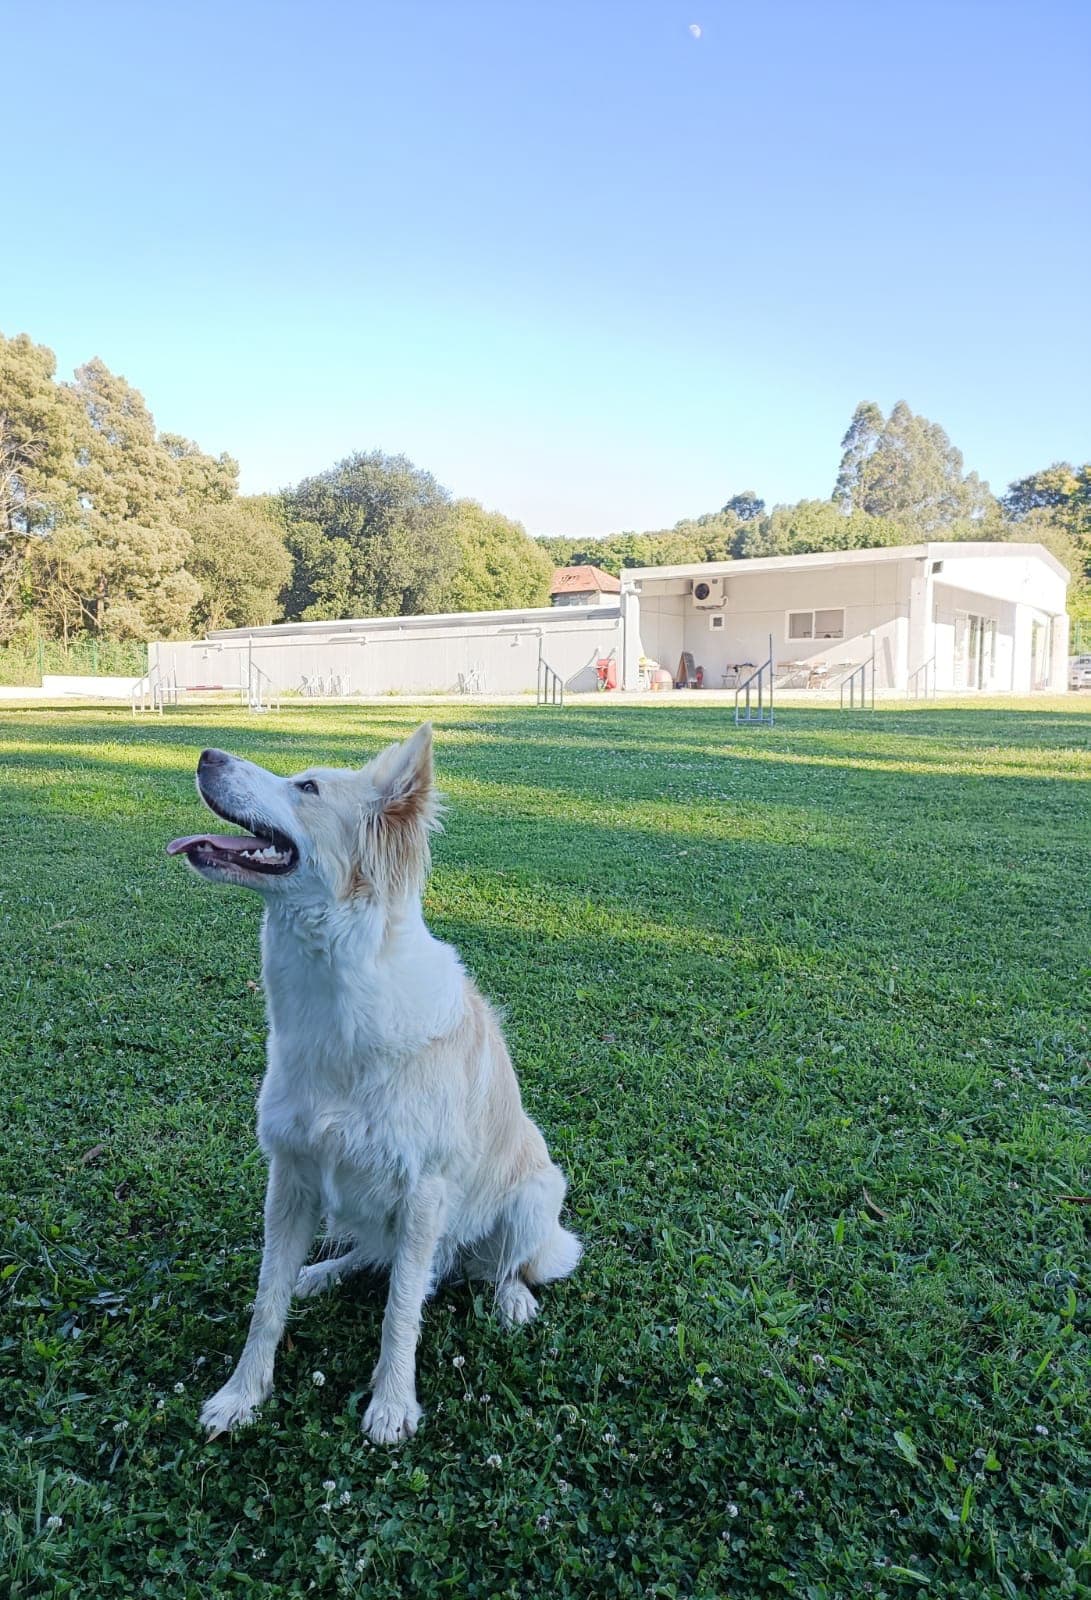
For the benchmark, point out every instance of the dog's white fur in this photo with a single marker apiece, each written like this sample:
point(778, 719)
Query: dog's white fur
point(389, 1103)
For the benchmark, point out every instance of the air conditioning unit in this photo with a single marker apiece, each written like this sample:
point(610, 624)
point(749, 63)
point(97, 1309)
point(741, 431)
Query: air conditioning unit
point(708, 594)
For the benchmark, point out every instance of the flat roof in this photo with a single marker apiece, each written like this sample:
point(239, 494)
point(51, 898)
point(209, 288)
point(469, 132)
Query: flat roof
point(937, 550)
point(530, 616)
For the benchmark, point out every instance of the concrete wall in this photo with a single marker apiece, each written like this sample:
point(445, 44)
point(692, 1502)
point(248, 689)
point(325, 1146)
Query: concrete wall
point(873, 597)
point(663, 626)
point(407, 656)
point(1023, 578)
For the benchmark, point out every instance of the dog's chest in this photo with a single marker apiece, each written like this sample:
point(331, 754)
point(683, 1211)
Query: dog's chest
point(365, 1145)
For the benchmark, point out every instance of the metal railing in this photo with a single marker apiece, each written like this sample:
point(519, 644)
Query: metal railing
point(153, 691)
point(550, 685)
point(857, 681)
point(258, 692)
point(756, 694)
point(922, 681)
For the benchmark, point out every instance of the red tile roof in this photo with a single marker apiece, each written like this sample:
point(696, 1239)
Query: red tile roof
point(583, 580)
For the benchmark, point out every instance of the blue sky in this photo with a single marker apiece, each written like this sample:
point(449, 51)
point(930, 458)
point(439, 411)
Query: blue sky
point(586, 267)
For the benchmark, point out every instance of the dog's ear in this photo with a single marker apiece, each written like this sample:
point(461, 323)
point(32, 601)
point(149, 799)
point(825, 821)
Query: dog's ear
point(403, 777)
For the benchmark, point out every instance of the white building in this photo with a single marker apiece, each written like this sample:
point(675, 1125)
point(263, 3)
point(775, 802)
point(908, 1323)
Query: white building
point(486, 652)
point(934, 617)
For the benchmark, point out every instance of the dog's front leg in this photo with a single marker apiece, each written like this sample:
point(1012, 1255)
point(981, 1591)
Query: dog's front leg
point(291, 1217)
point(393, 1414)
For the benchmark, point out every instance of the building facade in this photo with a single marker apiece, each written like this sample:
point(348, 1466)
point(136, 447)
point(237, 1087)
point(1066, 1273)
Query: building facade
point(936, 617)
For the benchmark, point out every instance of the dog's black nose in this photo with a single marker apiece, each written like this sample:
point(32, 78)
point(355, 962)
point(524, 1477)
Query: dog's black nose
point(213, 758)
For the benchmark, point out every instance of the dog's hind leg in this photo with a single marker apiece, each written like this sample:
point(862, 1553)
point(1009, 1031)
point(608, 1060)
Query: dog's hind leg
point(526, 1245)
point(291, 1216)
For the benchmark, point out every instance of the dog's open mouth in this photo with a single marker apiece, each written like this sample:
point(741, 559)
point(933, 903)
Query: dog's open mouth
point(268, 850)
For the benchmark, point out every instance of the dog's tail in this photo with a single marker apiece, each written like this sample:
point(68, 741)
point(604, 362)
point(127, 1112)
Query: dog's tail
point(556, 1259)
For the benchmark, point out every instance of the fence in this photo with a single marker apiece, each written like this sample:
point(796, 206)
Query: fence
point(27, 661)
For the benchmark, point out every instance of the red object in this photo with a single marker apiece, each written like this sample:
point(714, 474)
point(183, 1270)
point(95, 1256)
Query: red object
point(700, 677)
point(606, 668)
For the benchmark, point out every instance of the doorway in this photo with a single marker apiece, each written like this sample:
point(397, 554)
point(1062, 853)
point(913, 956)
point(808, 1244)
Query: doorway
point(975, 650)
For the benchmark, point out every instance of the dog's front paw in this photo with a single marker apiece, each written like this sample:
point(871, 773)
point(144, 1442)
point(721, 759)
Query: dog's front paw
point(233, 1406)
point(391, 1421)
point(514, 1303)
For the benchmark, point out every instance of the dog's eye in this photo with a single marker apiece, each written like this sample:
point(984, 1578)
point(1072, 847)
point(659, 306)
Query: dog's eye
point(308, 786)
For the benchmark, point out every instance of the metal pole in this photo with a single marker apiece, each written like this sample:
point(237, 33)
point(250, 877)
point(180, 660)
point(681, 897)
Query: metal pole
point(873, 672)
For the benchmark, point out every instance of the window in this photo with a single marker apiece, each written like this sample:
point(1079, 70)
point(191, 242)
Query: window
point(828, 624)
point(716, 621)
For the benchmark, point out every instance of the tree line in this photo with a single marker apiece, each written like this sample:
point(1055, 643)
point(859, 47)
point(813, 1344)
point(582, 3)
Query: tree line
point(900, 481)
point(114, 530)
point(111, 530)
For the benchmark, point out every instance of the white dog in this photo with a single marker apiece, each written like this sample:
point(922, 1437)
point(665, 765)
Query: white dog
point(389, 1103)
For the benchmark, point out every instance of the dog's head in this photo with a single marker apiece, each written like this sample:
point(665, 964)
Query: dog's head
point(324, 833)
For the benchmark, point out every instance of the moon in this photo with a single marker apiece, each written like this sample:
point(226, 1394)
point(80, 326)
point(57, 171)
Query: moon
point(695, 29)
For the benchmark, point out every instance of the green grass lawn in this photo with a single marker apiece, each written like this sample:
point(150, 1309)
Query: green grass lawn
point(803, 1013)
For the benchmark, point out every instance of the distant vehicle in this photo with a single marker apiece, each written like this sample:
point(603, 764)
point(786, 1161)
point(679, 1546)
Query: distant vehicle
point(1079, 672)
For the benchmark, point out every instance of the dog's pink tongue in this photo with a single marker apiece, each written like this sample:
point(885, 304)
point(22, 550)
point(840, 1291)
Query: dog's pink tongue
point(219, 841)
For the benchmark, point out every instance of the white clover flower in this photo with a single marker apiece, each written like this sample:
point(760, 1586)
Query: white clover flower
point(485, 1398)
point(329, 1485)
point(1040, 1428)
point(609, 1438)
point(732, 1509)
point(54, 1522)
point(818, 1361)
point(346, 1497)
point(179, 1388)
point(543, 1521)
point(494, 1461)
point(318, 1379)
point(458, 1363)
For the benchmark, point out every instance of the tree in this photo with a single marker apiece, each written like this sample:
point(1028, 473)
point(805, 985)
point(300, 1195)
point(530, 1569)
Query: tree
point(710, 537)
point(240, 559)
point(905, 468)
point(37, 454)
point(124, 551)
point(1062, 491)
point(372, 536)
point(500, 566)
point(202, 479)
point(1053, 508)
point(746, 507)
point(814, 525)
